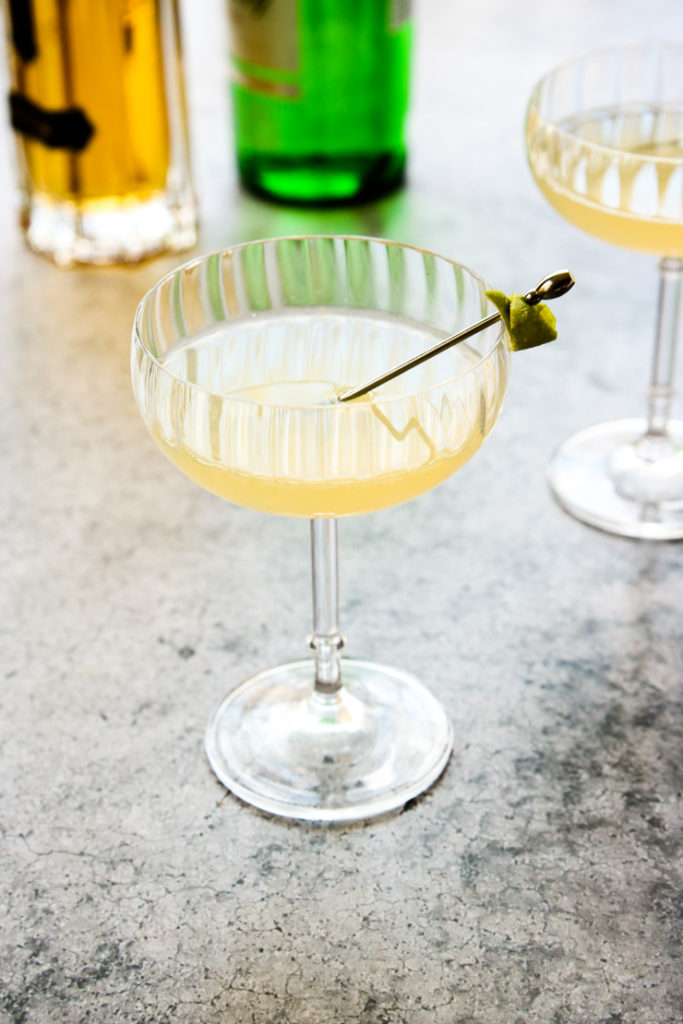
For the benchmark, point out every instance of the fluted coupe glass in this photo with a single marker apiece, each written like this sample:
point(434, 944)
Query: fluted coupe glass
point(237, 361)
point(604, 137)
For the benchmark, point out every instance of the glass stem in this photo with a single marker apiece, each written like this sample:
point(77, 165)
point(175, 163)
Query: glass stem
point(661, 391)
point(326, 641)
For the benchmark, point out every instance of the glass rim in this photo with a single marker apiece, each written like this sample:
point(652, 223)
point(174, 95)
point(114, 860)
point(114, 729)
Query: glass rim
point(652, 46)
point(369, 400)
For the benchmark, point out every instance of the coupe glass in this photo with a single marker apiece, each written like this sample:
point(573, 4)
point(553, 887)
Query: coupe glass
point(604, 137)
point(237, 361)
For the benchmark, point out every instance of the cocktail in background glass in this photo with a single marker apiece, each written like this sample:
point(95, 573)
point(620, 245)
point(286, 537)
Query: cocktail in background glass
point(604, 136)
point(238, 359)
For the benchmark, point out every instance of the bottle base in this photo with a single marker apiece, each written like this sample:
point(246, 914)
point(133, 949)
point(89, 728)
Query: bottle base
point(111, 231)
point(320, 180)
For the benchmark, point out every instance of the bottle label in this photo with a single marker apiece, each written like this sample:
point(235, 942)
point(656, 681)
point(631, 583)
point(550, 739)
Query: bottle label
point(58, 129)
point(23, 29)
point(265, 44)
point(400, 11)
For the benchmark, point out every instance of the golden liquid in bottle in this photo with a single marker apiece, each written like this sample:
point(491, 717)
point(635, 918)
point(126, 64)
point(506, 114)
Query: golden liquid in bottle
point(105, 57)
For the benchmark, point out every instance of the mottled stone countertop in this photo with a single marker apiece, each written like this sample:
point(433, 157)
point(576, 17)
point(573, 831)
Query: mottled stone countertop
point(540, 879)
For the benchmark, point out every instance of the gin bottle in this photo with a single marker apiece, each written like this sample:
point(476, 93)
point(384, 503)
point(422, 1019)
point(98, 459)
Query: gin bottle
point(320, 96)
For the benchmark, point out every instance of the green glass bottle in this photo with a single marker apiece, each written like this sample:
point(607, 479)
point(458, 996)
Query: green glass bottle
point(320, 96)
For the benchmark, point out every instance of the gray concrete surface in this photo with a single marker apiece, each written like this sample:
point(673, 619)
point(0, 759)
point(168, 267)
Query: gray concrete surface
point(539, 882)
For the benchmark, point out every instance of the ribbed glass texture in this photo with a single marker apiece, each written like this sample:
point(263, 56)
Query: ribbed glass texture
point(604, 136)
point(238, 357)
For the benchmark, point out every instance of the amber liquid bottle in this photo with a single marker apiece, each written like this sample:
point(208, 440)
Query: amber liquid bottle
point(320, 96)
point(97, 106)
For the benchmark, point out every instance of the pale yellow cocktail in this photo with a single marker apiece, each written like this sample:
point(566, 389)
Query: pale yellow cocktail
point(271, 435)
point(617, 174)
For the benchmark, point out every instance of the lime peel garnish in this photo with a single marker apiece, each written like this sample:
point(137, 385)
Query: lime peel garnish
point(527, 324)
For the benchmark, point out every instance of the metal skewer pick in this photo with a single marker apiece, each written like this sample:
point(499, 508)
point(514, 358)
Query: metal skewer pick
point(551, 287)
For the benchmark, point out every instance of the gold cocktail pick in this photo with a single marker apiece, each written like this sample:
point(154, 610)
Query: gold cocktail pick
point(551, 287)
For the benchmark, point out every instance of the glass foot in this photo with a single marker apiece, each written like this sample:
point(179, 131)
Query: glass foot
point(617, 478)
point(365, 750)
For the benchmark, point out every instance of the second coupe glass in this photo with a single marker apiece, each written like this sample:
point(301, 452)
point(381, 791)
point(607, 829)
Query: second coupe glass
point(604, 138)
